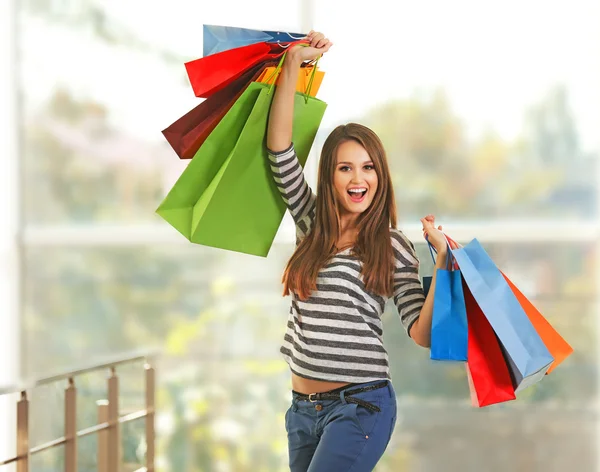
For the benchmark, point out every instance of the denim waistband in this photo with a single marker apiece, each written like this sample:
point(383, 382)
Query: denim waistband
point(351, 386)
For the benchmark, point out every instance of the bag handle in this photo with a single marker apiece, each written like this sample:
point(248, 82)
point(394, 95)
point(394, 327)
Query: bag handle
point(451, 263)
point(432, 250)
point(277, 71)
point(452, 241)
point(291, 36)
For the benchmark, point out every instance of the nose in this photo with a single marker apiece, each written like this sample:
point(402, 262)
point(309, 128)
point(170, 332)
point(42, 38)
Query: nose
point(357, 176)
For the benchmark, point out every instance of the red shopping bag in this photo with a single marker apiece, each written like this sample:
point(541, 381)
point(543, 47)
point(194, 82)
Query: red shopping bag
point(210, 74)
point(487, 372)
point(187, 134)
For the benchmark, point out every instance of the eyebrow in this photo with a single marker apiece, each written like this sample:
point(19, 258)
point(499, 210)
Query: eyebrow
point(350, 163)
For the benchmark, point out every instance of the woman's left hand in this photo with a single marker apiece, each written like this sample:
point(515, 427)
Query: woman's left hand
point(435, 236)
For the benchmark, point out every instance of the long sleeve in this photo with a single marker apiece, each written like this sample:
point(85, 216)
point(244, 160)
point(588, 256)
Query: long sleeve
point(295, 191)
point(408, 291)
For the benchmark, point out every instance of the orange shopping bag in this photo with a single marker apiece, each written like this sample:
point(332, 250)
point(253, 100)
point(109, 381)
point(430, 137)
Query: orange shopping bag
point(268, 75)
point(558, 347)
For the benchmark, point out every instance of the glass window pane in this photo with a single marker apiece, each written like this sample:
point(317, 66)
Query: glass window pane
point(221, 318)
point(109, 77)
point(477, 123)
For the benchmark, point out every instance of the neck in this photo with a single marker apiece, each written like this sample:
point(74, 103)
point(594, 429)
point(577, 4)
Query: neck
point(348, 223)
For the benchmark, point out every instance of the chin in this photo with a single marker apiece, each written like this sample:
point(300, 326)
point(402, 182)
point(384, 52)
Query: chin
point(358, 209)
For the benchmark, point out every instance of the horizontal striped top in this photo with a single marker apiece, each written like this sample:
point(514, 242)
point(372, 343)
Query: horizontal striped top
point(337, 334)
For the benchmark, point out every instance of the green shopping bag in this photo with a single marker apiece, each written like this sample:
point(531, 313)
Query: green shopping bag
point(226, 197)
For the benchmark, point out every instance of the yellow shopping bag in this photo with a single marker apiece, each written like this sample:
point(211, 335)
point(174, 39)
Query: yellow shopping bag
point(268, 75)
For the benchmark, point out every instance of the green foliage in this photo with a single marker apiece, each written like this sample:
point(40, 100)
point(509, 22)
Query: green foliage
point(436, 168)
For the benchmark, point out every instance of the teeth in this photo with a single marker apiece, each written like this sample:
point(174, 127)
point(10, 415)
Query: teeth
point(357, 190)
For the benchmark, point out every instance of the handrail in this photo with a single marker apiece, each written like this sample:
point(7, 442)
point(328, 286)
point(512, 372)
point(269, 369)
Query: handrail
point(104, 362)
point(109, 420)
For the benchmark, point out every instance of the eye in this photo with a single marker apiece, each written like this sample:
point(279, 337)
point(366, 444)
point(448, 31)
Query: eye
point(369, 167)
point(344, 168)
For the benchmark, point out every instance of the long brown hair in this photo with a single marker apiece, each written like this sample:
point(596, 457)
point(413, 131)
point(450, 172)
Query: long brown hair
point(373, 246)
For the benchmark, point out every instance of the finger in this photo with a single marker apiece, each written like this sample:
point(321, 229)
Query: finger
point(321, 44)
point(325, 48)
point(316, 38)
point(440, 227)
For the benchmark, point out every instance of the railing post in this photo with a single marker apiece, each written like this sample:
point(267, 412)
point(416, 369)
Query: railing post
point(71, 427)
point(114, 440)
point(150, 402)
point(102, 453)
point(23, 433)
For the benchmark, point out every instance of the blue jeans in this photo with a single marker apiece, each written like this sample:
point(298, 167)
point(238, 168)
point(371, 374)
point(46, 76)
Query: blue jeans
point(334, 435)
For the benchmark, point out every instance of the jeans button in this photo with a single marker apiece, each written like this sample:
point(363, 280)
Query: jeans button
point(318, 407)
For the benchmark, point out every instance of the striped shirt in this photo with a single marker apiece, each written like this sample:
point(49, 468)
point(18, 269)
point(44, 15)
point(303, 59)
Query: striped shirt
point(336, 335)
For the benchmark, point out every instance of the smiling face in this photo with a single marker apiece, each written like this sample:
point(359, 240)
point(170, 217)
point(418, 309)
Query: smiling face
point(354, 179)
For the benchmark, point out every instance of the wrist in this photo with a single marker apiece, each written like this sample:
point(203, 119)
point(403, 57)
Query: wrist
point(292, 61)
point(440, 260)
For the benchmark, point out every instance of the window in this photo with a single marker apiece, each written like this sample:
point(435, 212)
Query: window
point(493, 131)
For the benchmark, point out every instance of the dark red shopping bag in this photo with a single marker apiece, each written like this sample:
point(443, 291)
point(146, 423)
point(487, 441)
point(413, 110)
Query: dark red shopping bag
point(210, 74)
point(187, 134)
point(487, 372)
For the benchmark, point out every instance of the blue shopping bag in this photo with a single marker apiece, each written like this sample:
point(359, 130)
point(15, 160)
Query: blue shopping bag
point(526, 354)
point(449, 330)
point(222, 38)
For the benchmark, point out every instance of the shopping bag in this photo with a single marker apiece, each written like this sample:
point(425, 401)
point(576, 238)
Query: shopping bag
point(487, 373)
point(210, 74)
point(187, 134)
point(269, 76)
point(426, 282)
point(527, 356)
point(449, 332)
point(558, 347)
point(227, 197)
point(221, 38)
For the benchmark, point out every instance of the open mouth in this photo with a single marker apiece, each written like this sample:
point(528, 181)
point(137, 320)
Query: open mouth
point(357, 195)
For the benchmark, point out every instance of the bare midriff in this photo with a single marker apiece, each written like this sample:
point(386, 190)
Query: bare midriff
point(307, 386)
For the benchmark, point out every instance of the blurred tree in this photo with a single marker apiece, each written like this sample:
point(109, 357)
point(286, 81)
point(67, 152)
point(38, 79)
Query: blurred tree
point(78, 169)
point(95, 17)
point(435, 168)
point(552, 142)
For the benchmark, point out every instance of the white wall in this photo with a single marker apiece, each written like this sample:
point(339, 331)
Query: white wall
point(9, 224)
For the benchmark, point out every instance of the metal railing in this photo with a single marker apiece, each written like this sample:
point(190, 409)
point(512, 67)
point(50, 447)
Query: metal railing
point(109, 420)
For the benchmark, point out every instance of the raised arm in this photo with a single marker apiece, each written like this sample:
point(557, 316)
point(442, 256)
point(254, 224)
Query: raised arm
point(279, 133)
point(285, 167)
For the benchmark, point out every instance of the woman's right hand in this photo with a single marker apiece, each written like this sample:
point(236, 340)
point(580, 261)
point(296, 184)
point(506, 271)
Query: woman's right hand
point(318, 45)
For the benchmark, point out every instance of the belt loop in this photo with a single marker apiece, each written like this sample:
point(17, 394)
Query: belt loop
point(294, 405)
point(343, 397)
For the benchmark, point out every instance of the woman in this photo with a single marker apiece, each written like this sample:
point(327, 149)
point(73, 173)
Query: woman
point(349, 259)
